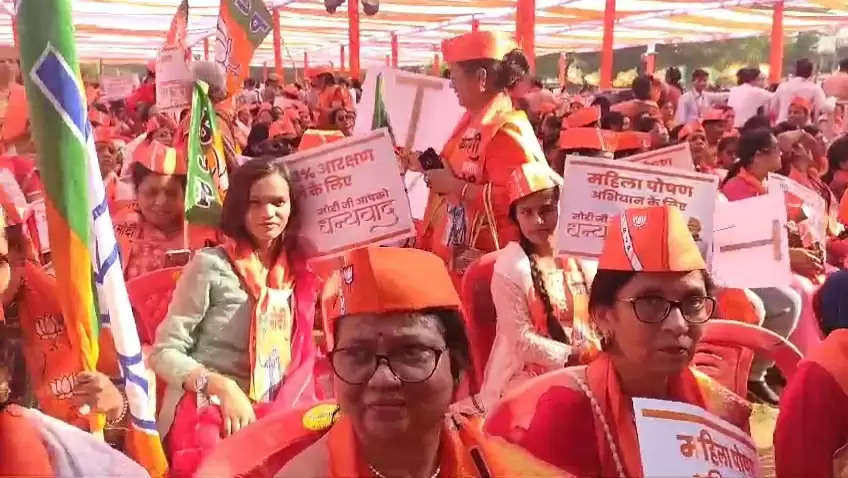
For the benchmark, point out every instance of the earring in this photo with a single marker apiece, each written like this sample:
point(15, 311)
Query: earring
point(606, 341)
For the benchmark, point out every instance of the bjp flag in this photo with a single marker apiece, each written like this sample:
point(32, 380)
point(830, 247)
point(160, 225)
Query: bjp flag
point(242, 26)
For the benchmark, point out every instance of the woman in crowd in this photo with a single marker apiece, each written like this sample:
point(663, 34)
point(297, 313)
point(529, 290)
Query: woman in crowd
point(542, 315)
point(759, 154)
point(154, 226)
point(344, 120)
point(812, 429)
point(694, 134)
point(837, 166)
point(668, 113)
point(467, 211)
point(649, 300)
point(233, 330)
point(399, 352)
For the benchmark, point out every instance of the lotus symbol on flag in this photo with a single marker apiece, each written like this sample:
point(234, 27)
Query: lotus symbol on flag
point(63, 388)
point(205, 130)
point(224, 48)
point(347, 274)
point(48, 327)
point(640, 221)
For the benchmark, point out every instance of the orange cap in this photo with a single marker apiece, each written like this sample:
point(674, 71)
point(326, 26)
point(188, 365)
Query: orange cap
point(291, 90)
point(650, 239)
point(627, 140)
point(292, 113)
point(690, 128)
point(375, 280)
point(587, 138)
point(547, 108)
point(99, 118)
point(714, 114)
point(802, 102)
point(477, 46)
point(103, 134)
point(312, 138)
point(531, 178)
point(281, 127)
point(159, 158)
point(151, 65)
point(583, 117)
point(265, 107)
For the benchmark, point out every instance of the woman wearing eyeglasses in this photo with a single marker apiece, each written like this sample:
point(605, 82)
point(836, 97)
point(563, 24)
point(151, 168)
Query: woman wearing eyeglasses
point(398, 352)
point(344, 119)
point(650, 299)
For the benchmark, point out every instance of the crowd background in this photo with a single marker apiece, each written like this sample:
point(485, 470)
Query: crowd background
point(243, 319)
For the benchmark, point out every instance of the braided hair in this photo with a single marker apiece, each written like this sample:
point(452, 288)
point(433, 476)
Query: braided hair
point(555, 329)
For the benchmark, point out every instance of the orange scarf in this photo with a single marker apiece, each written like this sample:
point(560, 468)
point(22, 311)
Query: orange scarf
point(271, 292)
point(618, 412)
point(465, 452)
point(755, 183)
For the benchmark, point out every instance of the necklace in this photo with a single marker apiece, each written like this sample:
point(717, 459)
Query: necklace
point(377, 473)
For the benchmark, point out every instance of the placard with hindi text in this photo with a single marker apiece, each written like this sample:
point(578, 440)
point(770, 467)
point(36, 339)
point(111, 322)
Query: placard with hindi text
point(596, 189)
point(349, 194)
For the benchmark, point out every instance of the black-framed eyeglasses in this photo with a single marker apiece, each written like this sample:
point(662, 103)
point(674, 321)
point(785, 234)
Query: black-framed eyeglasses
point(695, 309)
point(410, 364)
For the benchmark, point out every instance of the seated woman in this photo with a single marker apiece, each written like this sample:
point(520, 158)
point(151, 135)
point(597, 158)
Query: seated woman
point(812, 428)
point(542, 315)
point(649, 300)
point(233, 335)
point(151, 227)
point(344, 120)
point(399, 351)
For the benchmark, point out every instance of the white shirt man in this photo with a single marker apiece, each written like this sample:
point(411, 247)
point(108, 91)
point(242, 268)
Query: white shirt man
point(745, 100)
point(799, 86)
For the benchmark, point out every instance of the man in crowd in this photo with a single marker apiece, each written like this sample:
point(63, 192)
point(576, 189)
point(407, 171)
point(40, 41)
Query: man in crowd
point(696, 101)
point(802, 86)
point(836, 85)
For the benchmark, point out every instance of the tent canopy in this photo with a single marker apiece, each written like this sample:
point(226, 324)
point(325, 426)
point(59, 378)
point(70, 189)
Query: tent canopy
point(132, 30)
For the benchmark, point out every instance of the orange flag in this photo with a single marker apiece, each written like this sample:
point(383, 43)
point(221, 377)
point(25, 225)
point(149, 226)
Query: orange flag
point(242, 26)
point(177, 34)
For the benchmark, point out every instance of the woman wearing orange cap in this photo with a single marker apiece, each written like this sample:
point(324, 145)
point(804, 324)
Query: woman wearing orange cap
point(399, 351)
point(154, 226)
point(649, 300)
point(467, 212)
point(239, 327)
point(541, 306)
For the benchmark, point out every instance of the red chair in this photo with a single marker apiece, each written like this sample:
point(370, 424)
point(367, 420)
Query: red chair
point(727, 348)
point(480, 315)
point(150, 296)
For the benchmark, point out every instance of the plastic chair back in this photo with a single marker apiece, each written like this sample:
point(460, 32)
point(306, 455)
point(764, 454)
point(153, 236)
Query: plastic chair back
point(480, 314)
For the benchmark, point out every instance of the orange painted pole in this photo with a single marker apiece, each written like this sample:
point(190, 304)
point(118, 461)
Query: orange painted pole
point(264, 71)
point(278, 43)
point(353, 36)
point(475, 25)
point(15, 32)
point(394, 50)
point(525, 19)
point(305, 62)
point(388, 60)
point(342, 56)
point(776, 57)
point(651, 59)
point(437, 66)
point(561, 73)
point(206, 48)
point(606, 50)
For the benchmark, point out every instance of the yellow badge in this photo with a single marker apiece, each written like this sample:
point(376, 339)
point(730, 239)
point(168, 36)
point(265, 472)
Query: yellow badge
point(321, 417)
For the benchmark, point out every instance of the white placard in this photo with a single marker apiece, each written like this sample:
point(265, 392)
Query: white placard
point(349, 194)
point(423, 110)
point(677, 156)
point(118, 87)
point(39, 211)
point(174, 82)
point(596, 189)
point(814, 205)
point(751, 231)
point(682, 440)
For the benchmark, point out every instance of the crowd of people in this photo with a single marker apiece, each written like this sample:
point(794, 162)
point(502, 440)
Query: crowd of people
point(383, 365)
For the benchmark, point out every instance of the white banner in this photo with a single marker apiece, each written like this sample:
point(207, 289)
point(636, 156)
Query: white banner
point(813, 205)
point(174, 82)
point(423, 110)
point(349, 194)
point(677, 156)
point(596, 189)
point(118, 87)
point(751, 231)
point(681, 440)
